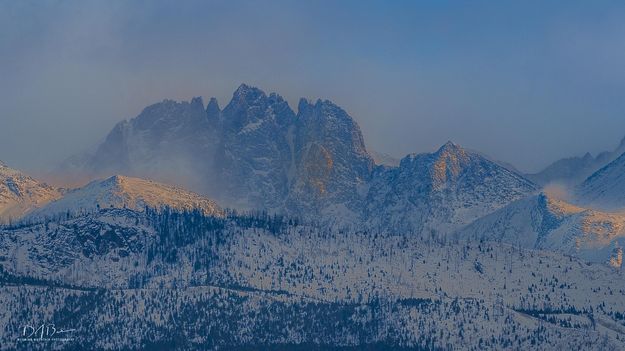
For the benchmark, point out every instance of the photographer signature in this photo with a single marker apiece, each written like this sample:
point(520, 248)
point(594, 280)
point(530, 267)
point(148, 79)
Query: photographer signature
point(45, 332)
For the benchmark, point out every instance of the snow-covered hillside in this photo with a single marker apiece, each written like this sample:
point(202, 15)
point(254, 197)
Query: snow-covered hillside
point(20, 194)
point(126, 192)
point(605, 188)
point(228, 283)
point(546, 223)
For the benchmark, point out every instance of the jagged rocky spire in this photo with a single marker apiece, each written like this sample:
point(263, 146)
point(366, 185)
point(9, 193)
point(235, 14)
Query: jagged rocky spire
point(212, 109)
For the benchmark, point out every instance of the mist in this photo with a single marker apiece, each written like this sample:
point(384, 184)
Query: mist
point(524, 83)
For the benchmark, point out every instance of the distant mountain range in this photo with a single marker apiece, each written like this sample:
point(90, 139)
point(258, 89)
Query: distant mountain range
point(573, 170)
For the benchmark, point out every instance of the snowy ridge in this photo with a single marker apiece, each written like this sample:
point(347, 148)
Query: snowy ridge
point(544, 222)
point(126, 192)
point(20, 194)
point(605, 188)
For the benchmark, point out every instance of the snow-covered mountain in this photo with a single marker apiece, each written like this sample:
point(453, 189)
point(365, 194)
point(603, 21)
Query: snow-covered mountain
point(435, 193)
point(126, 192)
point(174, 142)
point(257, 153)
point(574, 170)
point(605, 188)
point(546, 223)
point(20, 193)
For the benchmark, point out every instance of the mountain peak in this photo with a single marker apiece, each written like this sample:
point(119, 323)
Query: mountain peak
point(163, 115)
point(7, 171)
point(450, 146)
point(115, 179)
point(250, 107)
point(324, 110)
point(573, 171)
point(213, 106)
point(247, 93)
point(328, 104)
point(120, 191)
point(304, 106)
point(449, 161)
point(20, 193)
point(197, 102)
point(213, 112)
point(244, 87)
point(305, 103)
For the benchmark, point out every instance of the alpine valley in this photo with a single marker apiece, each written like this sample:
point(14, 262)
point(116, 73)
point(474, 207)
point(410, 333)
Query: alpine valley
point(259, 227)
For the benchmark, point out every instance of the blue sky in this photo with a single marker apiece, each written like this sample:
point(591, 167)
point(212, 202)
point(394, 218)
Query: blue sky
point(526, 82)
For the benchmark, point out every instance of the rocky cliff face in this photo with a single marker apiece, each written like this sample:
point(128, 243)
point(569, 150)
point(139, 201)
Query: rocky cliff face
point(255, 153)
point(332, 166)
